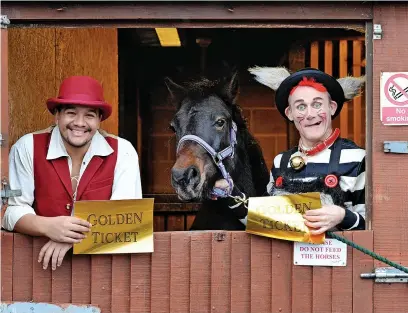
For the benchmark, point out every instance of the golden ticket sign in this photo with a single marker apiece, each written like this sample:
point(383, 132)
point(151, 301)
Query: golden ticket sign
point(117, 226)
point(281, 217)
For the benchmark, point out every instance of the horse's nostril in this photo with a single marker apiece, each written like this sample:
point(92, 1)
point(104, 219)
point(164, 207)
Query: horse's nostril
point(185, 176)
point(192, 173)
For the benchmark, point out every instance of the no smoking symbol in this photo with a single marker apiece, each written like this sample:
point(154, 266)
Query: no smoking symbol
point(395, 91)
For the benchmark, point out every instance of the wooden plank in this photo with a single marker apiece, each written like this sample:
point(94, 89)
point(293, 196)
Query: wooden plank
point(23, 268)
point(121, 283)
point(93, 52)
point(161, 264)
point(363, 263)
point(282, 256)
point(357, 110)
point(140, 282)
point(343, 73)
point(180, 272)
point(302, 289)
point(221, 272)
point(81, 278)
point(240, 272)
point(296, 60)
point(191, 11)
point(42, 279)
point(62, 281)
point(4, 103)
point(175, 222)
point(101, 282)
point(328, 57)
point(342, 282)
point(32, 64)
point(189, 220)
point(200, 272)
point(261, 274)
point(7, 258)
point(159, 223)
point(322, 292)
point(314, 54)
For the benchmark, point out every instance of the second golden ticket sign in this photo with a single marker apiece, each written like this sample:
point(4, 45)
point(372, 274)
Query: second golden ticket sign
point(117, 226)
point(281, 217)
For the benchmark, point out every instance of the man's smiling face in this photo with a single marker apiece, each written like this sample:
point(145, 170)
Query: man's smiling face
point(311, 111)
point(77, 124)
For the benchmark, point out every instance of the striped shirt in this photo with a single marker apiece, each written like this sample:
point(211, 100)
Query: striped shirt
point(350, 193)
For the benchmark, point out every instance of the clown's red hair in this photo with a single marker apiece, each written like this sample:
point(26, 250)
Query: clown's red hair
point(309, 82)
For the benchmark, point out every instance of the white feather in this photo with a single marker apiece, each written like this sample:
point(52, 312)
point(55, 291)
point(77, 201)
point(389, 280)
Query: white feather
point(270, 76)
point(351, 86)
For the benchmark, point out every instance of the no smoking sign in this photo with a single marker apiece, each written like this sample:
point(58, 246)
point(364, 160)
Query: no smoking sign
point(394, 98)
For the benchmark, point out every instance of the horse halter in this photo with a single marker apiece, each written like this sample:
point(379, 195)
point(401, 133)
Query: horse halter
point(217, 157)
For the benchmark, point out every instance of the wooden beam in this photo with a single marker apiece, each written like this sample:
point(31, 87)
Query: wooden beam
point(343, 73)
point(314, 54)
point(357, 129)
point(186, 11)
point(328, 57)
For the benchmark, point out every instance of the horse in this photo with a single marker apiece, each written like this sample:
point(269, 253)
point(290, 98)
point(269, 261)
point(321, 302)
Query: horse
point(213, 142)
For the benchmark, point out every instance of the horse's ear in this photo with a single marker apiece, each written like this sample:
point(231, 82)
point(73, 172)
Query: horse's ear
point(176, 91)
point(230, 87)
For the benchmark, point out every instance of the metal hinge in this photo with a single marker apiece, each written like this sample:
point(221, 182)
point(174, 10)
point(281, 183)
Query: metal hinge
point(377, 31)
point(387, 275)
point(396, 146)
point(6, 192)
point(4, 21)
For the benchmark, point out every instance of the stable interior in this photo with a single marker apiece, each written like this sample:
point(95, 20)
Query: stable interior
point(132, 63)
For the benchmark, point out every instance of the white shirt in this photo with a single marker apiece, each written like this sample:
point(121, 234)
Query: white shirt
point(126, 181)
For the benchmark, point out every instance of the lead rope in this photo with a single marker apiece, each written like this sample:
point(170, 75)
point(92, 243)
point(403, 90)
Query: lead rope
point(367, 251)
point(243, 200)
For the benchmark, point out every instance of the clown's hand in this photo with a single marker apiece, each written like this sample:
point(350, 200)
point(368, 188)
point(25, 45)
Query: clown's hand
point(324, 218)
point(221, 189)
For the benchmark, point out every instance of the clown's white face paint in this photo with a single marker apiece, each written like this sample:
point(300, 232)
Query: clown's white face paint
point(311, 111)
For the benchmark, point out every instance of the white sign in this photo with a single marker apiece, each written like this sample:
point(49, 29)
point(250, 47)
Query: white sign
point(394, 98)
point(331, 253)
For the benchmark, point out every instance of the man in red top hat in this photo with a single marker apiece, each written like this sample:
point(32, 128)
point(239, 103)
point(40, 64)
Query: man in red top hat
point(323, 161)
point(71, 160)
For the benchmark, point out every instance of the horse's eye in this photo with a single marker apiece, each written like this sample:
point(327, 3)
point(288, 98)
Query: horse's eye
point(220, 123)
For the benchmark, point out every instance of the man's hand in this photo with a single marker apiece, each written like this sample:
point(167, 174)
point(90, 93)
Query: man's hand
point(323, 219)
point(54, 251)
point(66, 229)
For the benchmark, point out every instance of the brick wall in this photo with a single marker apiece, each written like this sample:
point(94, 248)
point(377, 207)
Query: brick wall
point(258, 107)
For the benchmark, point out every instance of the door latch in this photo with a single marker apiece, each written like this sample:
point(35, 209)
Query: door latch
point(6, 192)
point(387, 275)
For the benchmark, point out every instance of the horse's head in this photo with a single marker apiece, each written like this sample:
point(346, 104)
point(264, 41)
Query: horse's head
point(205, 110)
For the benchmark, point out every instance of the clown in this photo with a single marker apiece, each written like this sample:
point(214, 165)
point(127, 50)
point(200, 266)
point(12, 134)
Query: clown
point(70, 161)
point(322, 161)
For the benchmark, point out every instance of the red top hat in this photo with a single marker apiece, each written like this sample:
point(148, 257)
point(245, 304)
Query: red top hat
point(81, 90)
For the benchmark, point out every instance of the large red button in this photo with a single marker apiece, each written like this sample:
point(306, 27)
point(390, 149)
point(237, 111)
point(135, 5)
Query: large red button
point(331, 181)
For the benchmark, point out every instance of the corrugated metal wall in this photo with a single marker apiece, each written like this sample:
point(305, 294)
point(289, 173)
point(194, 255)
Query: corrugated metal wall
point(195, 272)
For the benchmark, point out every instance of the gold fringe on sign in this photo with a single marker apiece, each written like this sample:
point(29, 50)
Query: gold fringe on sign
point(281, 217)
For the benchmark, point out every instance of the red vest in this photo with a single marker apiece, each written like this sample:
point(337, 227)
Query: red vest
point(53, 194)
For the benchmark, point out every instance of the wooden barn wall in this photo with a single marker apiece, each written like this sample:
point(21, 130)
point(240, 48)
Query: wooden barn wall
point(40, 58)
point(389, 171)
point(197, 272)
